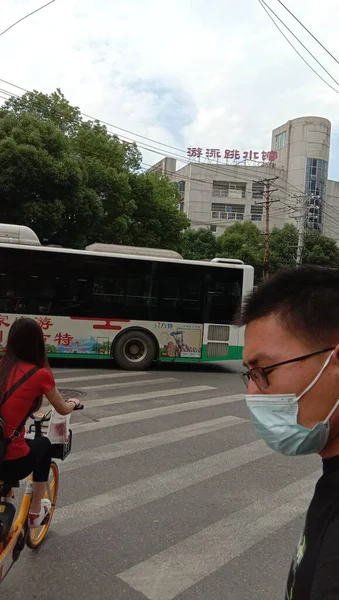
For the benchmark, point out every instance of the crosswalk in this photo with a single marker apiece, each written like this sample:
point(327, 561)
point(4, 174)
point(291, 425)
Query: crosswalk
point(178, 472)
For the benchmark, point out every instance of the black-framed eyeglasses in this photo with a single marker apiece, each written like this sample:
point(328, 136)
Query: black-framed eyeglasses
point(259, 374)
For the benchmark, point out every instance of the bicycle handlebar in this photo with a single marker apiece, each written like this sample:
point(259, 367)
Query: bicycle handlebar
point(40, 418)
point(44, 418)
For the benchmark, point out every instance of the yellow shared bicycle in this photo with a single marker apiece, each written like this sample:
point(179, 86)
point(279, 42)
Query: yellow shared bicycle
point(14, 530)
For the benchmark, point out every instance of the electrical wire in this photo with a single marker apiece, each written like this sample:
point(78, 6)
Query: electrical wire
point(181, 176)
point(274, 212)
point(208, 168)
point(262, 3)
point(155, 150)
point(26, 17)
point(104, 122)
point(308, 31)
point(300, 42)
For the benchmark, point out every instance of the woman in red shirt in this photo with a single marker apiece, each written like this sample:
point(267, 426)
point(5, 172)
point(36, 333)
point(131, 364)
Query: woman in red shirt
point(25, 350)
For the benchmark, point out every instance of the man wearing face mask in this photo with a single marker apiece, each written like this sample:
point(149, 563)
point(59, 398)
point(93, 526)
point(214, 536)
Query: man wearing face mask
point(292, 355)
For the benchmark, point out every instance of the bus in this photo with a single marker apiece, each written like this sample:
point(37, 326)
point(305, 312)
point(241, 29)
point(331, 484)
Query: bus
point(135, 305)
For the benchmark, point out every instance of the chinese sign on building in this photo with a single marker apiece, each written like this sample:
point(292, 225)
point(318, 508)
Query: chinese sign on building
point(216, 153)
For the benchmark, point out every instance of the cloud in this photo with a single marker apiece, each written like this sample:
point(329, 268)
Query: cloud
point(184, 73)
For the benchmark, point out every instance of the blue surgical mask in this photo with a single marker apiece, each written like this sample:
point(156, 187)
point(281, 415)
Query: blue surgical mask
point(275, 417)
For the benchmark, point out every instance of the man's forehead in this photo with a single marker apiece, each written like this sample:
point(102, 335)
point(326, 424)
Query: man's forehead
point(265, 341)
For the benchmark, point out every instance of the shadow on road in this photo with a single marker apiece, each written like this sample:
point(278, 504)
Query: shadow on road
point(231, 367)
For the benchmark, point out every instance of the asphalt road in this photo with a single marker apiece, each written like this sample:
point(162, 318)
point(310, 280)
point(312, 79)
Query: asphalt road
point(168, 494)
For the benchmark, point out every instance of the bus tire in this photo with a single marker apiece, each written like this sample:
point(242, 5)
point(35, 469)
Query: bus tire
point(135, 350)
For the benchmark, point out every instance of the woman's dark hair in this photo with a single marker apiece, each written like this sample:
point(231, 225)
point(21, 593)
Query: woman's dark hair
point(25, 344)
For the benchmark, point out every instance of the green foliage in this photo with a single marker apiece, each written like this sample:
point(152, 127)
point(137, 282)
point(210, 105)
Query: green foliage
point(283, 247)
point(243, 241)
point(246, 242)
point(74, 183)
point(53, 107)
point(156, 221)
point(199, 244)
point(320, 250)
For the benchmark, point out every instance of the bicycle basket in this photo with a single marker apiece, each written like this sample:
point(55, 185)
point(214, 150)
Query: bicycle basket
point(61, 451)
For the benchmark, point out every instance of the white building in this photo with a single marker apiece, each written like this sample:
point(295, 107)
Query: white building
point(218, 192)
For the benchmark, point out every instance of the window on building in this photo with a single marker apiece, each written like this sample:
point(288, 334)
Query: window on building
point(230, 212)
point(315, 188)
point(257, 189)
point(218, 207)
point(213, 228)
point(280, 140)
point(257, 212)
point(228, 189)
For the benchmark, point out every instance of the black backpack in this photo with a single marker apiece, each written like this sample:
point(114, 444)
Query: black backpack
point(3, 440)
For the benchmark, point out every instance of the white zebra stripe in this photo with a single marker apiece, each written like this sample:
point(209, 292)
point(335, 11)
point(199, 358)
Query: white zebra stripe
point(173, 571)
point(152, 413)
point(146, 442)
point(85, 513)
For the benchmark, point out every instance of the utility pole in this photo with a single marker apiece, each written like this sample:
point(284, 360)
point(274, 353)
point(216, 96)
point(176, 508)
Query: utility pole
point(309, 213)
point(268, 191)
point(301, 229)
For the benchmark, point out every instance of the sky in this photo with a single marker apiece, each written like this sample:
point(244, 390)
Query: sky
point(184, 73)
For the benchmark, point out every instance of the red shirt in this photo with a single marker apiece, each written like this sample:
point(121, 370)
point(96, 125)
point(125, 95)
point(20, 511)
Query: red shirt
point(18, 405)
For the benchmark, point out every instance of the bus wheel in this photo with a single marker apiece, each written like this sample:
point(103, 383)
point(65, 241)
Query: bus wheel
point(134, 350)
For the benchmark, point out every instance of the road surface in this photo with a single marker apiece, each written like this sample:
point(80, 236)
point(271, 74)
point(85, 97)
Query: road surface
point(168, 494)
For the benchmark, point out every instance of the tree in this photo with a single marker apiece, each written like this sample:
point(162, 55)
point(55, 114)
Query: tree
point(243, 241)
point(42, 183)
point(74, 183)
point(320, 250)
point(246, 242)
point(44, 107)
point(156, 221)
point(283, 247)
point(198, 244)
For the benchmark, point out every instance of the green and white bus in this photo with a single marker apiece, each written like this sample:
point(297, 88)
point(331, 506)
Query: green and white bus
point(135, 305)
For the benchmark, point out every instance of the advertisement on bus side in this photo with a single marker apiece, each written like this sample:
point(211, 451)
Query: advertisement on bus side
point(94, 336)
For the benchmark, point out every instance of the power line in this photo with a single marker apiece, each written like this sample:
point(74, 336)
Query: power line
point(155, 150)
point(308, 31)
point(300, 42)
point(181, 176)
point(267, 204)
point(26, 17)
point(161, 153)
point(294, 48)
point(214, 168)
point(101, 121)
point(178, 175)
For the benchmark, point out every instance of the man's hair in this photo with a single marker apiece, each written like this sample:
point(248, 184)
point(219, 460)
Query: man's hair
point(305, 299)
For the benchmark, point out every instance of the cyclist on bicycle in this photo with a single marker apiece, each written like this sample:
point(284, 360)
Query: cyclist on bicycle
point(26, 349)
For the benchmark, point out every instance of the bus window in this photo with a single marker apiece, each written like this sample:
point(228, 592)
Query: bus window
point(116, 293)
point(12, 287)
point(41, 295)
point(180, 294)
point(75, 295)
point(223, 295)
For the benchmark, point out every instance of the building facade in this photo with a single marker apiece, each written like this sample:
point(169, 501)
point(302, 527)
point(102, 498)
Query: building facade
point(220, 191)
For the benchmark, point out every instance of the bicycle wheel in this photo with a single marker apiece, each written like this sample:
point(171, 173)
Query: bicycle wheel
point(36, 536)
